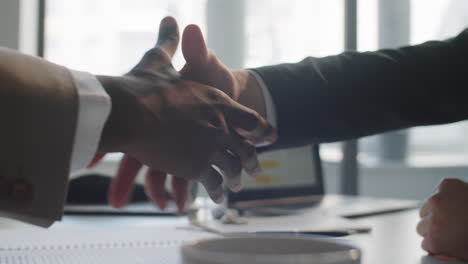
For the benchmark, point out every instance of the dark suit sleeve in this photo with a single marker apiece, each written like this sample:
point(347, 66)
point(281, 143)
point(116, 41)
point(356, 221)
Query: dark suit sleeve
point(358, 94)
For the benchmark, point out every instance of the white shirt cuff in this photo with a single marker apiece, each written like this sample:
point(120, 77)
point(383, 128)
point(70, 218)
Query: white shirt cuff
point(269, 104)
point(94, 106)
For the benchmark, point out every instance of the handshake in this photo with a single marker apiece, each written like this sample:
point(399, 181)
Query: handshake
point(187, 123)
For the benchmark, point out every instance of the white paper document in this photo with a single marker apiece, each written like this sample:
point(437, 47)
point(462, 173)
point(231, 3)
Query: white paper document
point(359, 206)
point(312, 220)
point(102, 240)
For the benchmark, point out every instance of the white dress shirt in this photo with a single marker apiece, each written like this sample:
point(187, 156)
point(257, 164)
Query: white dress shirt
point(269, 103)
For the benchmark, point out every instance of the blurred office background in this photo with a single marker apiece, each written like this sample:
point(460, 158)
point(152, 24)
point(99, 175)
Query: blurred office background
point(109, 36)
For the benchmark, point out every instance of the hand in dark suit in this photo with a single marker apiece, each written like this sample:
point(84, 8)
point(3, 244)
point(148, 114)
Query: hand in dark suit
point(203, 66)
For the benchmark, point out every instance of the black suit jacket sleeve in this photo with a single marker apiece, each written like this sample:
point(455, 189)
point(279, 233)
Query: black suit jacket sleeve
point(357, 94)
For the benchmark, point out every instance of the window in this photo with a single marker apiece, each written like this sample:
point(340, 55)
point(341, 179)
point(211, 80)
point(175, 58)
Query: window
point(109, 36)
point(415, 21)
point(389, 24)
point(279, 31)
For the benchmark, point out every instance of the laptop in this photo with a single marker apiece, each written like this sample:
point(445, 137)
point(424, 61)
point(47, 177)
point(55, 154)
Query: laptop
point(291, 178)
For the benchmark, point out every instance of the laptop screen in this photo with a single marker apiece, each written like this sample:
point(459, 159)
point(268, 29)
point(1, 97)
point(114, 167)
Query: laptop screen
point(286, 173)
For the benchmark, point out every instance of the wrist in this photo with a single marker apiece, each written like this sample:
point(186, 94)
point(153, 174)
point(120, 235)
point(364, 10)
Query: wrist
point(241, 77)
point(118, 129)
point(251, 94)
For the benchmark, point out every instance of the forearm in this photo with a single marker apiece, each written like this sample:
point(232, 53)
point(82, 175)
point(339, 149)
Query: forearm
point(357, 94)
point(251, 94)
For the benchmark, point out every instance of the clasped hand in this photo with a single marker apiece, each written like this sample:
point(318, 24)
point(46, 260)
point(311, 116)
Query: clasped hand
point(178, 124)
point(444, 219)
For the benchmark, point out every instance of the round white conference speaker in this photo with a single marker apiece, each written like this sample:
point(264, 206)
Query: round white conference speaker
point(270, 250)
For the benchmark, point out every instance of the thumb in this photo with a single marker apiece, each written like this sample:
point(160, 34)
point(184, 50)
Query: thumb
point(193, 46)
point(168, 37)
point(160, 56)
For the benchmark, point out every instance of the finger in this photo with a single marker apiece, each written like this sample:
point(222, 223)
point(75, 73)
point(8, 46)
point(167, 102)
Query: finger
point(426, 209)
point(423, 226)
point(168, 38)
point(249, 124)
point(154, 187)
point(428, 245)
point(122, 185)
point(98, 157)
point(212, 181)
point(231, 167)
point(247, 154)
point(158, 59)
point(194, 46)
point(180, 192)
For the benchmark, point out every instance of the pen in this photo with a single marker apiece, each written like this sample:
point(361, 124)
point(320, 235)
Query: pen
point(331, 233)
point(316, 233)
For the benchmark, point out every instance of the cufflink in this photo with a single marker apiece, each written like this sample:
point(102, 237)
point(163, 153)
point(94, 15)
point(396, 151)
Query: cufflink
point(21, 191)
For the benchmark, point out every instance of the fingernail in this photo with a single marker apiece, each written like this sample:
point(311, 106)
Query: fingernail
point(167, 20)
point(219, 200)
point(237, 187)
point(117, 201)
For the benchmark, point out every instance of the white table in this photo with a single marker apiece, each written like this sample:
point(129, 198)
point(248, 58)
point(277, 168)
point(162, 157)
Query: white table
point(393, 239)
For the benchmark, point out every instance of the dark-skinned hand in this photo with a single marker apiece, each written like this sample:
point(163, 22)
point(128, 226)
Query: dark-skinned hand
point(177, 126)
